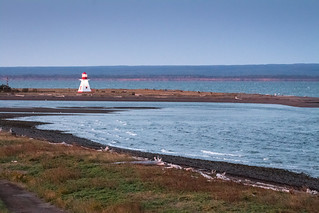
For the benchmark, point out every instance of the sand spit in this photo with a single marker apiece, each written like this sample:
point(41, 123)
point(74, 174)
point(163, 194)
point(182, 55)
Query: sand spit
point(157, 95)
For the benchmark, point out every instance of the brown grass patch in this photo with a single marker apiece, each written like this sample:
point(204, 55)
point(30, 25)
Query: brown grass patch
point(60, 174)
point(124, 208)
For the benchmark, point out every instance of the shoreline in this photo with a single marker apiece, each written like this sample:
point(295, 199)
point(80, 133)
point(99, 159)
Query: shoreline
point(275, 176)
point(149, 95)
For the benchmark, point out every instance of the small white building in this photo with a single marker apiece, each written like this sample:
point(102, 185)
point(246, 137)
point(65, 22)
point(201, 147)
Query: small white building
point(84, 86)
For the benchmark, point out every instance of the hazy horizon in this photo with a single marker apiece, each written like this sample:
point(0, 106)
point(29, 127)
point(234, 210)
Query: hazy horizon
point(166, 65)
point(207, 71)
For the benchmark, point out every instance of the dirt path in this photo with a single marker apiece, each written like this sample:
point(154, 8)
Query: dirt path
point(21, 201)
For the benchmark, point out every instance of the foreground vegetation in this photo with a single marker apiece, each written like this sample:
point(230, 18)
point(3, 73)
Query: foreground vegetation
point(83, 180)
point(3, 208)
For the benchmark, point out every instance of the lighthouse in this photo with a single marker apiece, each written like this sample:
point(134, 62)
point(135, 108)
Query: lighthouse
point(84, 86)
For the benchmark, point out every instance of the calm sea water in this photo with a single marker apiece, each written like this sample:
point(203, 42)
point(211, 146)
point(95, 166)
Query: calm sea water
point(296, 88)
point(252, 134)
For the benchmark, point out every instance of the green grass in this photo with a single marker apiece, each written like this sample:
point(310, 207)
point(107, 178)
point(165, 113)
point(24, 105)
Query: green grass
point(82, 180)
point(3, 208)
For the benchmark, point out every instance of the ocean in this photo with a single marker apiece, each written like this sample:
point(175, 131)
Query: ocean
point(253, 134)
point(279, 79)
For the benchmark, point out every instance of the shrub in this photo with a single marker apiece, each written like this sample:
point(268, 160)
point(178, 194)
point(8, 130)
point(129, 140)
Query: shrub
point(5, 88)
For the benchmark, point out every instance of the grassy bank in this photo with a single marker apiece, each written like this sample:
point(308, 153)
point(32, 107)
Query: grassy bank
point(83, 180)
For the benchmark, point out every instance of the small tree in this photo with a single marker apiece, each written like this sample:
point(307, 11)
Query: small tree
point(5, 88)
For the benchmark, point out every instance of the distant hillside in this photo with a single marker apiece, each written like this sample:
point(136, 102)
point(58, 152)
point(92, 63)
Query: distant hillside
point(250, 71)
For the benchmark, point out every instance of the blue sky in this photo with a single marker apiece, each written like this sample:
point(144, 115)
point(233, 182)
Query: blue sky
point(158, 32)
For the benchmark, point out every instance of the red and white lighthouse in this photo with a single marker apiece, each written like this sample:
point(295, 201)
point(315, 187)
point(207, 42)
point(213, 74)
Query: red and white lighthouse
point(84, 86)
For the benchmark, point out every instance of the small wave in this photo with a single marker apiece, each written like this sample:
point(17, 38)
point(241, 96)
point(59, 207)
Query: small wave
point(166, 151)
point(232, 160)
point(131, 133)
point(122, 122)
point(219, 153)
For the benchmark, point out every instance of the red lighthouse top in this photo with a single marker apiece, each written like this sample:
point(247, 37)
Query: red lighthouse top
point(84, 75)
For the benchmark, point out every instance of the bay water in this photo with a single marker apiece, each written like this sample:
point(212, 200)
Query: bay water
point(253, 134)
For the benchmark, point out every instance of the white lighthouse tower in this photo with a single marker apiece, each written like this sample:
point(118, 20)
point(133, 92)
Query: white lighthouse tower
point(84, 86)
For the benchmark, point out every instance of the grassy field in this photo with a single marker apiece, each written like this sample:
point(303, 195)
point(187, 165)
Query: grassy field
point(83, 180)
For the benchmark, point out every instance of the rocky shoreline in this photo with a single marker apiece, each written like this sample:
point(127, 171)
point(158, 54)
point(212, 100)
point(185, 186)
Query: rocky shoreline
point(279, 177)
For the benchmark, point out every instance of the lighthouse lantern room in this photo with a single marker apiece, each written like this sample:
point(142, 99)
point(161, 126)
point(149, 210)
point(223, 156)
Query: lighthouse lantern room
point(84, 86)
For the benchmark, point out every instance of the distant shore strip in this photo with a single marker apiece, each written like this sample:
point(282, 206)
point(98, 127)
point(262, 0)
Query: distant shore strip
point(149, 95)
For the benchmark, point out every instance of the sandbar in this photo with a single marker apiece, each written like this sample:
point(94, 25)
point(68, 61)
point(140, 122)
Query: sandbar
point(147, 95)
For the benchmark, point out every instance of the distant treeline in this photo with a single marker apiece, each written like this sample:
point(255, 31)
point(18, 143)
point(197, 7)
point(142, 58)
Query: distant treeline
point(290, 71)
